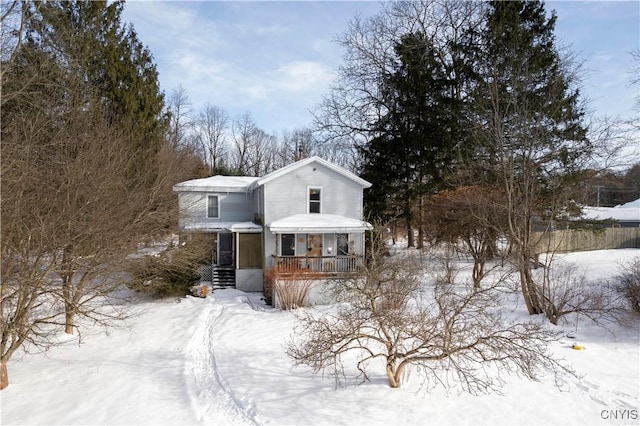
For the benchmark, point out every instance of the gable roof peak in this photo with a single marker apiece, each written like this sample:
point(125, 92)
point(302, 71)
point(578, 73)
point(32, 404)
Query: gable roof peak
point(305, 161)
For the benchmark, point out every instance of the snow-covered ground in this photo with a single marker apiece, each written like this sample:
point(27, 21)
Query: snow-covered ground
point(221, 360)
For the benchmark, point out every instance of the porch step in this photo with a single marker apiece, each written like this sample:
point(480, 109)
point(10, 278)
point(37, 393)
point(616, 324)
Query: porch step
point(223, 277)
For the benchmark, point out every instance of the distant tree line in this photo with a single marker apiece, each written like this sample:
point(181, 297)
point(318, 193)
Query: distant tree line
point(609, 188)
point(237, 145)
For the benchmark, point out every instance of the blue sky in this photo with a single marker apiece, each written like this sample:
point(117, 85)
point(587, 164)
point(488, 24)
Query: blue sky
point(275, 60)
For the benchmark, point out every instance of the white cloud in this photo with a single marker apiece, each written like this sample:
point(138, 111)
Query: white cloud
point(277, 59)
point(304, 76)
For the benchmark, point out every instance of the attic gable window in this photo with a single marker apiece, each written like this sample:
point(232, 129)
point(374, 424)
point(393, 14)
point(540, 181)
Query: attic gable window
point(213, 207)
point(315, 199)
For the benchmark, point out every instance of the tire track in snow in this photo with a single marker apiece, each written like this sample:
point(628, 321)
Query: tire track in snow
point(211, 398)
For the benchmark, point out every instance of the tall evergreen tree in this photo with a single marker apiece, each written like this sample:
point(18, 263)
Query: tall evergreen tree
point(82, 128)
point(529, 128)
point(418, 135)
point(90, 41)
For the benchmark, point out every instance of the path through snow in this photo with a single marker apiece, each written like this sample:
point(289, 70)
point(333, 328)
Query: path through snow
point(211, 397)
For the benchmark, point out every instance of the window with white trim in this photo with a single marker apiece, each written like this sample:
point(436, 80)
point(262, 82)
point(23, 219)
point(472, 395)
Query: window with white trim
point(213, 207)
point(315, 199)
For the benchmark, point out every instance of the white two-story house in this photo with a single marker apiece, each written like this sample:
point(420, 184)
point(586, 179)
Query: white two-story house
point(307, 216)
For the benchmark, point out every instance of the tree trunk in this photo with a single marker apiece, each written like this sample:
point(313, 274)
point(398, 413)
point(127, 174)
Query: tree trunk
point(409, 223)
point(410, 239)
point(393, 374)
point(67, 289)
point(478, 272)
point(420, 243)
point(4, 375)
point(528, 285)
point(69, 319)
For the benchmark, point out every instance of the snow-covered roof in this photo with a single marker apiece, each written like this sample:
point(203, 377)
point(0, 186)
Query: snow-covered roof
point(315, 159)
point(312, 223)
point(629, 212)
point(247, 184)
point(224, 226)
point(217, 184)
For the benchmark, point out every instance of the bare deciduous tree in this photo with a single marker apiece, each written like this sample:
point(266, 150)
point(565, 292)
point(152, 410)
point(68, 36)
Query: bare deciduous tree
point(211, 129)
point(80, 189)
point(470, 214)
point(263, 155)
point(181, 120)
point(243, 130)
point(454, 334)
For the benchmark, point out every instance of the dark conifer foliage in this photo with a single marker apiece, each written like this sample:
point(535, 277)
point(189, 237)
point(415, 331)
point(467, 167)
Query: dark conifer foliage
point(89, 40)
point(529, 135)
point(419, 135)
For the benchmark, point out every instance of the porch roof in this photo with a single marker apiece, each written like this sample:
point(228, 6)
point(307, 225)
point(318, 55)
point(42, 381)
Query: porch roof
point(224, 226)
point(318, 223)
point(216, 184)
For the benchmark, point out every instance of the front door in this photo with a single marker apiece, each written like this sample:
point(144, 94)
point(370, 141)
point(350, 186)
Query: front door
point(225, 249)
point(314, 242)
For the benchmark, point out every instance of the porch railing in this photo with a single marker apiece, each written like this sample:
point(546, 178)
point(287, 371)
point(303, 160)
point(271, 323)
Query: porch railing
point(321, 264)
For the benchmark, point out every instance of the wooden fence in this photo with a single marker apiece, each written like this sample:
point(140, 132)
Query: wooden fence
point(582, 240)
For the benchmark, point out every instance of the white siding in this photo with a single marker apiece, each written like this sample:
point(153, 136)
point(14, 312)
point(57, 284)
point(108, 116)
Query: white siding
point(287, 194)
point(234, 207)
point(249, 279)
point(269, 249)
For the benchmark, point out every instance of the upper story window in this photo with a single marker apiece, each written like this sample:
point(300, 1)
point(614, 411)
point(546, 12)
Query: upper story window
point(213, 207)
point(315, 199)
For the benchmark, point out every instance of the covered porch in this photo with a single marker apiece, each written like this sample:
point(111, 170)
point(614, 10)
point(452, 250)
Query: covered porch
point(236, 257)
point(322, 264)
point(318, 243)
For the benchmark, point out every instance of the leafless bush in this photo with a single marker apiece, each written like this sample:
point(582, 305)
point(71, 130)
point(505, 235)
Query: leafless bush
point(447, 269)
point(627, 283)
point(287, 286)
point(453, 333)
point(469, 218)
point(292, 293)
point(565, 290)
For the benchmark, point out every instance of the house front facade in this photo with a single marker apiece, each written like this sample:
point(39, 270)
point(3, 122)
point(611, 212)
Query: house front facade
point(305, 217)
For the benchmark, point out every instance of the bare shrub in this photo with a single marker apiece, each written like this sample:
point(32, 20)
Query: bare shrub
point(566, 290)
point(287, 285)
point(471, 215)
point(292, 293)
point(627, 283)
point(447, 269)
point(449, 334)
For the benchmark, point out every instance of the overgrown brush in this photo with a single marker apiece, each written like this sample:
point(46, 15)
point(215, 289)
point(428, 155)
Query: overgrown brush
point(172, 272)
point(627, 283)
